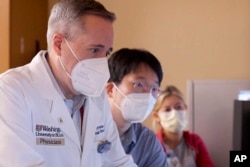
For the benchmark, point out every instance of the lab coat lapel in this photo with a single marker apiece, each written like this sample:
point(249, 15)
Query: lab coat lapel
point(62, 117)
point(46, 89)
point(92, 119)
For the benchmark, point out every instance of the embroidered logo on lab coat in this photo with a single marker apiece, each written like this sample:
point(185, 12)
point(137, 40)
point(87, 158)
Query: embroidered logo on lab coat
point(49, 135)
point(99, 130)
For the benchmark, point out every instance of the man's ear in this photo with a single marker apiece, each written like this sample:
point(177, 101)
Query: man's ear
point(109, 89)
point(57, 43)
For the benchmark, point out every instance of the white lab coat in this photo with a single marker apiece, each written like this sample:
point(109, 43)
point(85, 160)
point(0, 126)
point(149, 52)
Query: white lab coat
point(37, 130)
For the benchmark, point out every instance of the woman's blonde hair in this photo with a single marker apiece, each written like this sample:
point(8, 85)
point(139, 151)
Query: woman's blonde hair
point(167, 92)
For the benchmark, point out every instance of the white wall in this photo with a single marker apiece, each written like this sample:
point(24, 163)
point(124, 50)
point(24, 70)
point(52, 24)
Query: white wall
point(211, 104)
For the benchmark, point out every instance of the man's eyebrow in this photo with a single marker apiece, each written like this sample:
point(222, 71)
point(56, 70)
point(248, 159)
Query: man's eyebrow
point(97, 45)
point(101, 46)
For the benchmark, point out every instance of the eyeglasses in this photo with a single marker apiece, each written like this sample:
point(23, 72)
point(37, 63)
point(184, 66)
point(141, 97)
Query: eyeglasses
point(139, 86)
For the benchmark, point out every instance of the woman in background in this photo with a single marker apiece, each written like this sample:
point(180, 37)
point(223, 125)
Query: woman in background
point(183, 148)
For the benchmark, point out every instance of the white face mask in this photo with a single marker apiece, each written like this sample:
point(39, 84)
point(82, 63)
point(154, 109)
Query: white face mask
point(88, 76)
point(173, 121)
point(136, 107)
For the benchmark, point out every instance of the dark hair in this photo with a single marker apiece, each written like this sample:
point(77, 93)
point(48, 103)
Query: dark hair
point(127, 60)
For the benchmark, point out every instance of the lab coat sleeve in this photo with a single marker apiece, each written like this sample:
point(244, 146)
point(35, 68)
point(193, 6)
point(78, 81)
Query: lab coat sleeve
point(116, 156)
point(17, 140)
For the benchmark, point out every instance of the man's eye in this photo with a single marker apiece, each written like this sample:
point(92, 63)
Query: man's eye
point(138, 85)
point(155, 89)
point(94, 50)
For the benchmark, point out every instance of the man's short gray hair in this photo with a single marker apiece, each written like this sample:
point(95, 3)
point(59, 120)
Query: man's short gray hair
point(65, 15)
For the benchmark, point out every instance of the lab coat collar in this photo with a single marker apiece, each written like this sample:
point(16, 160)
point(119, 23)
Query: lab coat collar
point(44, 86)
point(93, 118)
point(93, 109)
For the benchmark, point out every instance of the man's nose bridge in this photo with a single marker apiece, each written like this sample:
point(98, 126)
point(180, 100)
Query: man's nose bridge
point(147, 89)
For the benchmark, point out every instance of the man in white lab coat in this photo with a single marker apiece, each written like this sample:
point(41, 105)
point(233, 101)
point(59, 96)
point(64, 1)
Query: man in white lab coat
point(54, 111)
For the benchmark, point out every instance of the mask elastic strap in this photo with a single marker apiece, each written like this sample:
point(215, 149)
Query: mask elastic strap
point(67, 43)
point(118, 90)
point(116, 105)
point(60, 60)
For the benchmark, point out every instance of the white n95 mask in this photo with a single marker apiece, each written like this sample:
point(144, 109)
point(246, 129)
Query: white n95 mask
point(89, 76)
point(136, 107)
point(174, 120)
